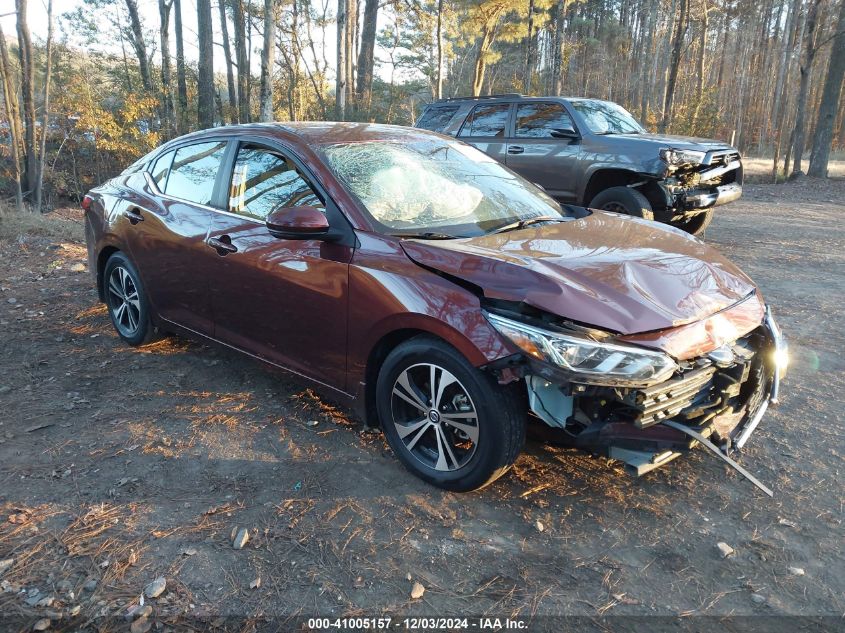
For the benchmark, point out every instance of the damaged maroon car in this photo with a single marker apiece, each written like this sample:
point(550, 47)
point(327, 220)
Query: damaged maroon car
point(444, 297)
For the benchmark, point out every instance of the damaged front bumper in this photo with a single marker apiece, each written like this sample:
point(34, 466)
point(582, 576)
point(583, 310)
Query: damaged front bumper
point(716, 401)
point(693, 189)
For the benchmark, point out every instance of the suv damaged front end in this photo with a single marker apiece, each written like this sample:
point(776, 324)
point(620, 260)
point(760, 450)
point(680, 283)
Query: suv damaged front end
point(629, 399)
point(695, 181)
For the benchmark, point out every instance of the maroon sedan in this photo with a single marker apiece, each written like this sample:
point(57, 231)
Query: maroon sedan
point(444, 297)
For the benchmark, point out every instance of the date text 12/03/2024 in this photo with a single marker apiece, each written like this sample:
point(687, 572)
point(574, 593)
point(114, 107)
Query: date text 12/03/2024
point(417, 624)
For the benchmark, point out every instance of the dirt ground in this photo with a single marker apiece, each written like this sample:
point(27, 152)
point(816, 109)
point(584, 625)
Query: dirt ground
point(120, 465)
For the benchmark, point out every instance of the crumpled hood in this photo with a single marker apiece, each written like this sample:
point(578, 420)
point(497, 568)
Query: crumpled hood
point(613, 272)
point(678, 142)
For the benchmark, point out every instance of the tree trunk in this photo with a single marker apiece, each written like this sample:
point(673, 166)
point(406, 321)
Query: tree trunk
point(351, 29)
point(806, 68)
point(557, 48)
point(139, 45)
point(166, 91)
point(529, 50)
point(700, 62)
point(481, 59)
point(366, 54)
point(205, 66)
point(45, 123)
point(267, 59)
point(340, 81)
point(27, 99)
point(242, 61)
point(10, 101)
point(227, 54)
point(674, 64)
point(181, 81)
point(438, 79)
point(823, 137)
point(647, 76)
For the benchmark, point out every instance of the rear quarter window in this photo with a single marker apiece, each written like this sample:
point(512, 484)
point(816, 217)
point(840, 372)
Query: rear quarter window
point(194, 171)
point(436, 118)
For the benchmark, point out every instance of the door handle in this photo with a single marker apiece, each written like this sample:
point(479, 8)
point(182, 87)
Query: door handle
point(515, 149)
point(223, 245)
point(133, 215)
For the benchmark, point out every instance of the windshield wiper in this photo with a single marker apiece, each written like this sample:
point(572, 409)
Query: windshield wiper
point(521, 224)
point(428, 235)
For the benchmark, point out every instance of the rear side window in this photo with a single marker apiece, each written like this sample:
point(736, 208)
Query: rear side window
point(264, 180)
point(161, 168)
point(487, 121)
point(436, 118)
point(538, 120)
point(194, 171)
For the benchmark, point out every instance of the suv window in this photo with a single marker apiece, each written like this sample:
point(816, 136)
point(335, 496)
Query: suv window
point(263, 180)
point(161, 168)
point(537, 120)
point(194, 171)
point(436, 118)
point(487, 120)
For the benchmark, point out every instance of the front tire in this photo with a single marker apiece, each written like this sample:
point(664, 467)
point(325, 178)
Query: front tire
point(697, 224)
point(129, 308)
point(449, 423)
point(623, 200)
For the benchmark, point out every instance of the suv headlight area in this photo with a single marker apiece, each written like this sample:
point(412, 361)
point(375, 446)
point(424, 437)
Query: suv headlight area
point(676, 157)
point(588, 361)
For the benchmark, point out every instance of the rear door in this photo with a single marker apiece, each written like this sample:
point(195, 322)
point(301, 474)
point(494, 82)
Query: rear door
point(539, 154)
point(167, 240)
point(486, 128)
point(282, 300)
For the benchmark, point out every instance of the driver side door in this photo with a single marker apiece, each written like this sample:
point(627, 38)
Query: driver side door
point(282, 300)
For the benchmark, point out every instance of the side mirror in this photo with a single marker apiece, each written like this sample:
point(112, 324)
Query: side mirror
point(564, 133)
point(298, 223)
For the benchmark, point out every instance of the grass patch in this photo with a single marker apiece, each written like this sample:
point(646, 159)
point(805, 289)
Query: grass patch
point(64, 224)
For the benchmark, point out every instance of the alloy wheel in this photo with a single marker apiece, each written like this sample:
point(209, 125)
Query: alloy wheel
point(124, 301)
point(435, 417)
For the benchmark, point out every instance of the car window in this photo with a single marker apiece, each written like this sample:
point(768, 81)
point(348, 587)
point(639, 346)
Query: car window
point(437, 118)
point(264, 180)
point(487, 121)
point(161, 168)
point(537, 120)
point(194, 171)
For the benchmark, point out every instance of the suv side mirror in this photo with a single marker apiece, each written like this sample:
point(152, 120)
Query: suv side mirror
point(298, 223)
point(564, 133)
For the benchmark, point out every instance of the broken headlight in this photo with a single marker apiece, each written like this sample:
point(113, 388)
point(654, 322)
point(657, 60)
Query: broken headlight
point(676, 157)
point(589, 361)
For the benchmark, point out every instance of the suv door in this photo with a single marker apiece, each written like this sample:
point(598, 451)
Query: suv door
point(167, 241)
point(281, 300)
point(486, 128)
point(545, 147)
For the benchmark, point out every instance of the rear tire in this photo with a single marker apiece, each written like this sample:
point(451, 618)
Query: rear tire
point(129, 308)
point(623, 200)
point(697, 224)
point(449, 423)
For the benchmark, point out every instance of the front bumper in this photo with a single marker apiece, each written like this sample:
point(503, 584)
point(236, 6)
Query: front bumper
point(716, 197)
point(712, 403)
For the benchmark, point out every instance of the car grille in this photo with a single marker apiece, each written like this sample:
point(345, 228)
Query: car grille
point(704, 393)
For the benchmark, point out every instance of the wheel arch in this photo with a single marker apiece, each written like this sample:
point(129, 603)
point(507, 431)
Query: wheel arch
point(603, 178)
point(102, 257)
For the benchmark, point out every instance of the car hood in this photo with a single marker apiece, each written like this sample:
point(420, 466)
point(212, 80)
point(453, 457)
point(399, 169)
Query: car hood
point(609, 271)
point(677, 142)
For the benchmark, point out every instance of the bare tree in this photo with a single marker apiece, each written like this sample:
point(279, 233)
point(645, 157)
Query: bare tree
point(166, 92)
point(267, 60)
point(227, 55)
point(136, 38)
point(45, 124)
point(806, 68)
point(242, 60)
point(340, 82)
point(27, 99)
point(10, 102)
point(829, 106)
point(205, 66)
point(366, 54)
point(181, 80)
point(529, 50)
point(674, 64)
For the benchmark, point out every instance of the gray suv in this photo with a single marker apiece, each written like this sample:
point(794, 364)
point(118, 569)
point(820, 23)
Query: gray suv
point(594, 153)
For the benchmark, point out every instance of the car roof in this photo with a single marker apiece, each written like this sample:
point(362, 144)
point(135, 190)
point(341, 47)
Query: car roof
point(507, 97)
point(318, 132)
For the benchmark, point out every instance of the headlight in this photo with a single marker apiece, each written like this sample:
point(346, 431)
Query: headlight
point(589, 361)
point(677, 157)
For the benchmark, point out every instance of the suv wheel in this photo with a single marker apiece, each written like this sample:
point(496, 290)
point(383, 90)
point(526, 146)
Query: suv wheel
point(449, 423)
point(623, 200)
point(697, 224)
point(127, 302)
